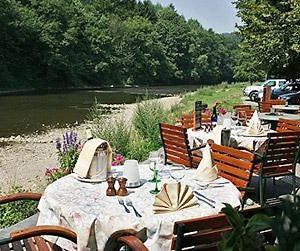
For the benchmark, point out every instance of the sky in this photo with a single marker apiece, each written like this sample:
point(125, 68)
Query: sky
point(220, 15)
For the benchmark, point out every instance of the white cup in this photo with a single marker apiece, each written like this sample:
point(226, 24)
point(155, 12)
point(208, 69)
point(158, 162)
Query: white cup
point(131, 173)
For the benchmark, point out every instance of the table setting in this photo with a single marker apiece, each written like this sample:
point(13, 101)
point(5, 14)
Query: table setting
point(134, 196)
point(252, 137)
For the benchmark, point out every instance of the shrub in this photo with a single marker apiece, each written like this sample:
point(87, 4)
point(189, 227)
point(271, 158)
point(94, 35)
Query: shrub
point(146, 119)
point(14, 212)
point(117, 132)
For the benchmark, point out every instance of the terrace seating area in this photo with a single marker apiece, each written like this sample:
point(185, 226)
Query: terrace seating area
point(209, 159)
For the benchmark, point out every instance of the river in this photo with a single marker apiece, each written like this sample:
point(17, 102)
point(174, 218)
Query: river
point(28, 113)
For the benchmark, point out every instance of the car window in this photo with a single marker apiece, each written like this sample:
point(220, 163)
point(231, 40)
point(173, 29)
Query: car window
point(281, 83)
point(270, 83)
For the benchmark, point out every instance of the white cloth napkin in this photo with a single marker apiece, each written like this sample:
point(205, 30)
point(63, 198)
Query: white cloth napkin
point(206, 171)
point(90, 166)
point(255, 127)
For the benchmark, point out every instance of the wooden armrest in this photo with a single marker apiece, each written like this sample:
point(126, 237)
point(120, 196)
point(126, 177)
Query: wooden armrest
point(20, 196)
point(38, 231)
point(247, 189)
point(133, 243)
point(198, 147)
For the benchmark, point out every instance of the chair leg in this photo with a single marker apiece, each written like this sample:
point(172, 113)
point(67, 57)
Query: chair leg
point(294, 188)
point(261, 198)
point(274, 181)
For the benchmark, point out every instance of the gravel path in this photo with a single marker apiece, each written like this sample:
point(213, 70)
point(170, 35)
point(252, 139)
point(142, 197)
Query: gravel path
point(23, 159)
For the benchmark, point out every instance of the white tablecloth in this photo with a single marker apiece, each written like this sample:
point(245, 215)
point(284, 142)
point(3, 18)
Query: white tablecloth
point(236, 138)
point(84, 208)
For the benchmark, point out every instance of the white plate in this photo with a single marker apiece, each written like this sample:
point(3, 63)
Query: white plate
point(253, 135)
point(88, 180)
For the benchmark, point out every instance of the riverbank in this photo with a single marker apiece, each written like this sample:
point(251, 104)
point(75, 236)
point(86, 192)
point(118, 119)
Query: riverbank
point(24, 159)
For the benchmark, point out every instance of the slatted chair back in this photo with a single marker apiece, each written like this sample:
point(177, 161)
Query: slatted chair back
point(242, 106)
point(176, 145)
point(281, 154)
point(288, 125)
point(188, 120)
point(234, 165)
point(205, 233)
point(265, 106)
point(31, 238)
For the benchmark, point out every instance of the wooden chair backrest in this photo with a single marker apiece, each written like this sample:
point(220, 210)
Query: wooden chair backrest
point(242, 106)
point(288, 125)
point(234, 165)
point(207, 232)
point(281, 153)
point(176, 145)
point(265, 106)
point(244, 113)
point(188, 120)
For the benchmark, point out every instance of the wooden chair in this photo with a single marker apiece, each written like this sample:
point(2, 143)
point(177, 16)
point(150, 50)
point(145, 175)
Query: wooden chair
point(234, 165)
point(176, 146)
point(288, 125)
point(188, 120)
point(30, 238)
point(242, 106)
point(265, 106)
point(278, 159)
point(203, 233)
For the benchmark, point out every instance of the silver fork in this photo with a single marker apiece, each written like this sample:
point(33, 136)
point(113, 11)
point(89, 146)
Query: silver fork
point(129, 203)
point(121, 202)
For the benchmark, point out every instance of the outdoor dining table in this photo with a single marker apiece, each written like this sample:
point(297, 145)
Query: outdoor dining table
point(238, 138)
point(85, 208)
point(286, 108)
point(274, 117)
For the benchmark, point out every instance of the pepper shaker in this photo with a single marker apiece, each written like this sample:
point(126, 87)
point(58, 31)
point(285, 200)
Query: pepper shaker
point(122, 191)
point(111, 191)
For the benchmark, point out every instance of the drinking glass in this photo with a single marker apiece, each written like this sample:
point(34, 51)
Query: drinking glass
point(178, 174)
point(152, 167)
point(155, 190)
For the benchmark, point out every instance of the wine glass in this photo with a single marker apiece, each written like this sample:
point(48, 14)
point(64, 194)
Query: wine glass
point(177, 174)
point(155, 190)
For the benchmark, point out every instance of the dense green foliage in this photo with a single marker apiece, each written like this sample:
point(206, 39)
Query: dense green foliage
point(133, 139)
point(62, 43)
point(271, 38)
point(14, 212)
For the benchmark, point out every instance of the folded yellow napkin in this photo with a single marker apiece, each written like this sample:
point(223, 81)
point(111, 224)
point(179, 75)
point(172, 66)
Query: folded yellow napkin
point(206, 171)
point(255, 127)
point(94, 160)
point(174, 197)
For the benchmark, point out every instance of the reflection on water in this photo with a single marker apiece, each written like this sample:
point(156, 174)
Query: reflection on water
point(24, 114)
point(28, 113)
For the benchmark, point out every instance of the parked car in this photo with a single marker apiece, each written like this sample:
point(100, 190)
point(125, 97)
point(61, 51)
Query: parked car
point(252, 91)
point(291, 98)
point(286, 89)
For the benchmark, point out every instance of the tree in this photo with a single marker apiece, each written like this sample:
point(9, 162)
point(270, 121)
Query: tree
point(271, 31)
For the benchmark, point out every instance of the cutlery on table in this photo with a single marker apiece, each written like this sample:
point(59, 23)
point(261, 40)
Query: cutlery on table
point(129, 203)
point(201, 195)
point(211, 205)
point(121, 202)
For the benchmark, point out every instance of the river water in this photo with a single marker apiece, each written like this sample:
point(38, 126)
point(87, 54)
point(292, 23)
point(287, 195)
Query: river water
point(24, 114)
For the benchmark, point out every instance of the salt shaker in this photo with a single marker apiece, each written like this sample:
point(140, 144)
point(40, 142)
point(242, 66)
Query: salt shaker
point(111, 191)
point(122, 191)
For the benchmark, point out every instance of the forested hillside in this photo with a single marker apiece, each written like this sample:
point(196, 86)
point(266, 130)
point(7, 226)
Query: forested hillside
point(62, 43)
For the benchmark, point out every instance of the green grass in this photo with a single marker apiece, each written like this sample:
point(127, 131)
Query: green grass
point(14, 212)
point(226, 94)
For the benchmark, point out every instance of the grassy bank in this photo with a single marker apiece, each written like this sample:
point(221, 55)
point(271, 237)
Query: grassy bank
point(136, 138)
point(227, 95)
